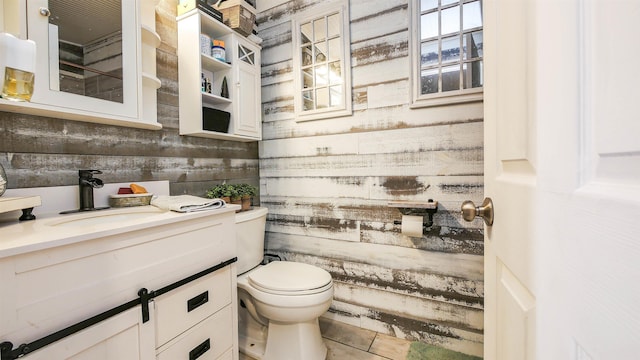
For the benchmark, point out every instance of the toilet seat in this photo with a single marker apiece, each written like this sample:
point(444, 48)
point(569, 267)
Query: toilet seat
point(290, 278)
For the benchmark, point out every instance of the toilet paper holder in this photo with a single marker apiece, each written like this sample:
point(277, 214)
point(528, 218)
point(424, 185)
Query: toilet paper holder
point(426, 209)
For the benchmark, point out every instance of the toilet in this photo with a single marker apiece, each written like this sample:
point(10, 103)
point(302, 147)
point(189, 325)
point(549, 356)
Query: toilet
point(280, 302)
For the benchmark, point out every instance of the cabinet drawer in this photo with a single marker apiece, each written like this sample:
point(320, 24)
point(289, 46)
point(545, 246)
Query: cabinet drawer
point(208, 340)
point(186, 306)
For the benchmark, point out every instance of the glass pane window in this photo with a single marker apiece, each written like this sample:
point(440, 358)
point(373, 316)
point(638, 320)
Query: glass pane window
point(450, 45)
point(308, 100)
point(429, 25)
point(305, 32)
point(335, 47)
point(450, 49)
point(450, 20)
point(335, 73)
point(472, 45)
point(472, 73)
point(451, 78)
point(429, 81)
point(429, 53)
point(336, 95)
point(321, 63)
point(428, 4)
point(471, 15)
point(333, 26)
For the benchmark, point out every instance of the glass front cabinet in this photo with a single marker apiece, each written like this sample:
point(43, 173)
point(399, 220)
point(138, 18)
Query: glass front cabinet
point(95, 61)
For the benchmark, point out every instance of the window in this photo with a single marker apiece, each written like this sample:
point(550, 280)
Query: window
point(448, 48)
point(321, 64)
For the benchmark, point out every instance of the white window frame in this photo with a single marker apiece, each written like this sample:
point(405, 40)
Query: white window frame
point(437, 99)
point(342, 8)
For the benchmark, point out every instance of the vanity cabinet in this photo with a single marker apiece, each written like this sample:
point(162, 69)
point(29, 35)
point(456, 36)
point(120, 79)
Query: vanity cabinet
point(123, 336)
point(185, 261)
point(95, 61)
point(241, 69)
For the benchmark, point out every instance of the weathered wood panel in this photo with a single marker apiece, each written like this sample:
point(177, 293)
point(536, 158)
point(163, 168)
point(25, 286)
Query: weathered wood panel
point(462, 266)
point(371, 20)
point(327, 183)
point(42, 151)
point(374, 221)
point(376, 119)
point(447, 190)
point(440, 163)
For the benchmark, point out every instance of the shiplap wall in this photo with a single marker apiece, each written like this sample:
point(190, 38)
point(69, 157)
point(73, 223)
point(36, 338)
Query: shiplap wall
point(40, 151)
point(327, 183)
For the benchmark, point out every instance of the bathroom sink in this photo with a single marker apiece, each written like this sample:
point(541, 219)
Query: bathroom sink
point(93, 218)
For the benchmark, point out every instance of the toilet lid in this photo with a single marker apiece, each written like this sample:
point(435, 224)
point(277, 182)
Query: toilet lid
point(289, 276)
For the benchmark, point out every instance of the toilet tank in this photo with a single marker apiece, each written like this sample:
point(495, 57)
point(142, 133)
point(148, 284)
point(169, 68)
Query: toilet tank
point(250, 226)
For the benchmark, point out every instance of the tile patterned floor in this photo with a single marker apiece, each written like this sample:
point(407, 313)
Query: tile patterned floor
point(350, 342)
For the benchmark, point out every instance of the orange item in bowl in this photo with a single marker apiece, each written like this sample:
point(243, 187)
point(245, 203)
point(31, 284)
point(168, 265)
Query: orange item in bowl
point(137, 189)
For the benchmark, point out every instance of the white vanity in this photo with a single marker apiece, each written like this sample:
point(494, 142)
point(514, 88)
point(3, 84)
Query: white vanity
point(162, 284)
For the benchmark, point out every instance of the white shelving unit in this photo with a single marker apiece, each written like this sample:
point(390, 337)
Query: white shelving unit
point(241, 69)
point(150, 42)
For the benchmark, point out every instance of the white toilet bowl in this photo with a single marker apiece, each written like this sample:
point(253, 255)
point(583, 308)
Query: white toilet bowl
point(279, 302)
point(287, 297)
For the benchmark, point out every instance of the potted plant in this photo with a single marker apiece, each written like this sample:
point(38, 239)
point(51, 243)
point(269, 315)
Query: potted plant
point(246, 193)
point(225, 192)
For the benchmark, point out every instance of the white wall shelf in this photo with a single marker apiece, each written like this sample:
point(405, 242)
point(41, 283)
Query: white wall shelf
point(241, 69)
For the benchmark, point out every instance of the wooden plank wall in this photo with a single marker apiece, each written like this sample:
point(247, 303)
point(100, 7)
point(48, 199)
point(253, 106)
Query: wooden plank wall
point(40, 151)
point(327, 183)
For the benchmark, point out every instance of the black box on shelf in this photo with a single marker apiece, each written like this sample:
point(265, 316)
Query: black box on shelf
point(215, 120)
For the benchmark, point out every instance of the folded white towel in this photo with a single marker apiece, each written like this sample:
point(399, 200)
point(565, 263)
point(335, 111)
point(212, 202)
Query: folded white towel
point(186, 203)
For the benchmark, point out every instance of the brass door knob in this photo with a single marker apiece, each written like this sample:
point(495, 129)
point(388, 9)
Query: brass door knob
point(485, 211)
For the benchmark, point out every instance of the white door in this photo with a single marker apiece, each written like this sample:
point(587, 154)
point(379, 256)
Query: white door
point(247, 111)
point(562, 165)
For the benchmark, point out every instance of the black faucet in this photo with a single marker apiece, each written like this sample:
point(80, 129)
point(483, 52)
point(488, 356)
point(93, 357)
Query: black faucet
point(86, 184)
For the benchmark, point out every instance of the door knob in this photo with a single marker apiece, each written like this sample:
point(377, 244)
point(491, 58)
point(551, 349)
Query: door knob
point(485, 211)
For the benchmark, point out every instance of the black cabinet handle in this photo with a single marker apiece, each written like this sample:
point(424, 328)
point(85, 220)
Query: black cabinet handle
point(199, 350)
point(197, 301)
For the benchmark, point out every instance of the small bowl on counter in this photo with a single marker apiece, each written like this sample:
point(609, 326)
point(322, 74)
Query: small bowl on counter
point(129, 200)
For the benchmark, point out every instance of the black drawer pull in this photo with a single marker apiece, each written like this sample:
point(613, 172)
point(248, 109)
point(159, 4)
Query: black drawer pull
point(199, 350)
point(197, 301)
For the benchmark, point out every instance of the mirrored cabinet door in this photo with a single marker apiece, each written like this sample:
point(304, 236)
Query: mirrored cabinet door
point(95, 59)
point(87, 54)
point(85, 48)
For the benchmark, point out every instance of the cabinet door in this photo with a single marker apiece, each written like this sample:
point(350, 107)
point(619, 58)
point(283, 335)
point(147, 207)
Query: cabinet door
point(248, 117)
point(123, 336)
point(76, 71)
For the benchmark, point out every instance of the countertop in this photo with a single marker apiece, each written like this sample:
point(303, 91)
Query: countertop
point(52, 230)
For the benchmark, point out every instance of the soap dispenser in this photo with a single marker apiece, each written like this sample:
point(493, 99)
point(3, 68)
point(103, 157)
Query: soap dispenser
point(17, 67)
